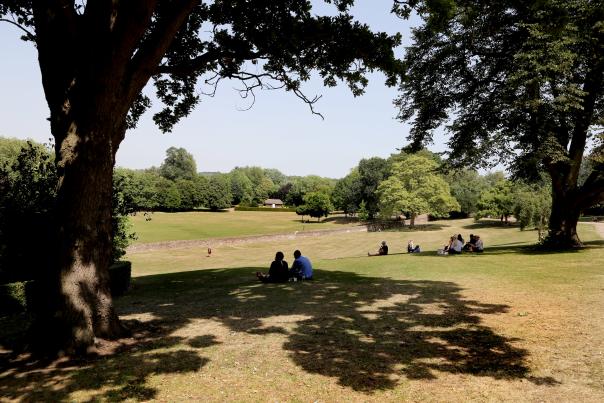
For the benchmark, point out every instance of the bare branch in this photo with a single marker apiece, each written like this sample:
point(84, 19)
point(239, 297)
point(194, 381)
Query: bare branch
point(29, 34)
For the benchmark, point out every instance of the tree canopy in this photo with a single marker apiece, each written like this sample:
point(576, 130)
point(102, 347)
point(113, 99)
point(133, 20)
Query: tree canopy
point(414, 187)
point(179, 164)
point(95, 60)
point(521, 83)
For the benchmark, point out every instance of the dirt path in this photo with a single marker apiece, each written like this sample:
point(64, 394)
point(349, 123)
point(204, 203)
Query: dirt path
point(599, 228)
point(204, 243)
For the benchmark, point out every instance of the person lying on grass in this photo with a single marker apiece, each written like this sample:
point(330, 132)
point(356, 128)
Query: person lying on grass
point(277, 273)
point(382, 251)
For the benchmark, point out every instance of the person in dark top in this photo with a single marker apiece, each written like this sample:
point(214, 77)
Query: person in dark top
point(470, 245)
point(277, 273)
point(412, 248)
point(382, 251)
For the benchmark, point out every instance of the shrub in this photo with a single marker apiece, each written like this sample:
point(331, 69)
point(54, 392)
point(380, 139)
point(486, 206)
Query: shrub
point(22, 296)
point(120, 274)
point(268, 209)
point(16, 297)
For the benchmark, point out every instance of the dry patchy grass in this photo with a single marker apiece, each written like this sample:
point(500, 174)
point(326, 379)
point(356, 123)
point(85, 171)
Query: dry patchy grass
point(506, 325)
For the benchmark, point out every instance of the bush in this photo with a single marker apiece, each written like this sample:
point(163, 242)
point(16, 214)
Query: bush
point(21, 296)
point(268, 209)
point(16, 297)
point(120, 274)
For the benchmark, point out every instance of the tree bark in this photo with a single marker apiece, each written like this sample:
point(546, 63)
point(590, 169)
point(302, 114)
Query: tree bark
point(563, 221)
point(80, 306)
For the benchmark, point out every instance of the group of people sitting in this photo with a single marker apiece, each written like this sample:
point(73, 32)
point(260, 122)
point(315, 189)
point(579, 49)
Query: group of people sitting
point(456, 245)
point(279, 272)
point(383, 250)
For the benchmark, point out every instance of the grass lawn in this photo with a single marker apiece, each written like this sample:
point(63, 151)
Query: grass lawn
point(505, 325)
point(207, 225)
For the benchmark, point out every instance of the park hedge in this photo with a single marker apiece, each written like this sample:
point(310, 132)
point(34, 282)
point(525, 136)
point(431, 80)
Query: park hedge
point(20, 296)
point(267, 209)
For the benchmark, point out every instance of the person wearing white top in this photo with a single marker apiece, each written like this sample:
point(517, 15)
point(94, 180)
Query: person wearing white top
point(478, 246)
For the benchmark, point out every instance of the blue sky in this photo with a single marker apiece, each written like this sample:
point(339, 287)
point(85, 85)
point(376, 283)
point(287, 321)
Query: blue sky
point(278, 132)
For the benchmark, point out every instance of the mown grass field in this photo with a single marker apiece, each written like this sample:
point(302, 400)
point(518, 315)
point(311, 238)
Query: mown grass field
point(507, 325)
point(207, 225)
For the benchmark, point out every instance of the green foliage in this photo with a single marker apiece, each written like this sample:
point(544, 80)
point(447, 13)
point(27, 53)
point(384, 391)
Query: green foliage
point(10, 148)
point(27, 200)
point(466, 186)
point(27, 203)
point(219, 193)
point(267, 209)
point(532, 206)
point(316, 204)
point(22, 296)
point(122, 231)
point(372, 171)
point(363, 213)
point(522, 83)
point(301, 186)
point(179, 164)
point(17, 297)
point(415, 188)
point(497, 201)
point(242, 187)
point(346, 195)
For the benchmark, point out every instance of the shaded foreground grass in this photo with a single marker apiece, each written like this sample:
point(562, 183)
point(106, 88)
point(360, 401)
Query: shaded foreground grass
point(505, 325)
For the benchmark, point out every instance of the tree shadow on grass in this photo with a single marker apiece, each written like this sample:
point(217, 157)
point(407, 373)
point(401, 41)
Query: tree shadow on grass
point(368, 332)
point(114, 377)
point(482, 224)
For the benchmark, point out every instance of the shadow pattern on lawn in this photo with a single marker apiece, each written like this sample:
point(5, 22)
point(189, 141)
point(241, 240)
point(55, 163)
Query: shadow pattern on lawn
point(115, 377)
point(368, 332)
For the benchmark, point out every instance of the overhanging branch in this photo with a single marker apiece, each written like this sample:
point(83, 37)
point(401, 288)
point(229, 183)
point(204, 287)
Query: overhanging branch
point(28, 34)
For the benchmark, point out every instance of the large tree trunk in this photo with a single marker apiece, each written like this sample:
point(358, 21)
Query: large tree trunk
point(80, 306)
point(564, 216)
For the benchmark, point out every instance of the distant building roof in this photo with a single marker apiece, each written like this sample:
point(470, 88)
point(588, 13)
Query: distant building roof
point(273, 201)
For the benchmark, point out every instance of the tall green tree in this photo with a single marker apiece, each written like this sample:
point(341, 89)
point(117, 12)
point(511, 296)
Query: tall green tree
point(242, 187)
point(372, 171)
point(316, 204)
point(346, 195)
point(219, 195)
point(96, 57)
point(179, 164)
point(307, 184)
point(522, 82)
point(466, 186)
point(497, 201)
point(532, 206)
point(415, 188)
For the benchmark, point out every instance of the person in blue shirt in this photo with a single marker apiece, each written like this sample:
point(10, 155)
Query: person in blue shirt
point(301, 267)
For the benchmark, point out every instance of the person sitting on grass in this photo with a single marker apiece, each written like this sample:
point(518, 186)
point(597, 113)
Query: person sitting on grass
point(412, 248)
point(277, 273)
point(455, 246)
point(301, 267)
point(468, 246)
point(478, 245)
point(382, 251)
